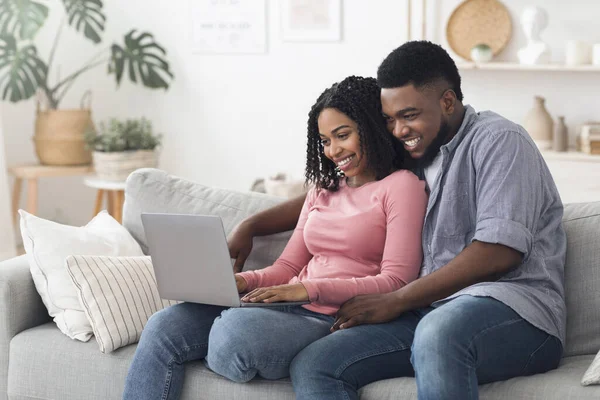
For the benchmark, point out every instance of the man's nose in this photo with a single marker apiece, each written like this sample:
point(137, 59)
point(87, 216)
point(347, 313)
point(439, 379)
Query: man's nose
point(400, 130)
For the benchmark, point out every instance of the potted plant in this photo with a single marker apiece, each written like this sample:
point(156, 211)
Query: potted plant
point(121, 147)
point(23, 73)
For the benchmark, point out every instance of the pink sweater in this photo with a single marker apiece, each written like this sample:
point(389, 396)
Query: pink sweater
point(351, 242)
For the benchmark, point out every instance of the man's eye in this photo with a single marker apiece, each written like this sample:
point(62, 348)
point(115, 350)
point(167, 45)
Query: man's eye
point(410, 116)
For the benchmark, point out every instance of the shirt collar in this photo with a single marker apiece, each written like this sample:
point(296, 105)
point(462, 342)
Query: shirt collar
point(469, 118)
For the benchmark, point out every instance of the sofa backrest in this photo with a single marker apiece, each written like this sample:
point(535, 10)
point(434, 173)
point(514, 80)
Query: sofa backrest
point(582, 278)
point(153, 190)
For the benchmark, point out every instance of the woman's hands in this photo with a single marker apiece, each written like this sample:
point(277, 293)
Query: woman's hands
point(239, 243)
point(240, 283)
point(294, 292)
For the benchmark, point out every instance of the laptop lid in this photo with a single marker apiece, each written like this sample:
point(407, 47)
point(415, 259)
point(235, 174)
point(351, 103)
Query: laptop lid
point(190, 258)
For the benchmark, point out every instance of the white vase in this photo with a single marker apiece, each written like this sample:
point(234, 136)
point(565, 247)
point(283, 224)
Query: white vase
point(539, 124)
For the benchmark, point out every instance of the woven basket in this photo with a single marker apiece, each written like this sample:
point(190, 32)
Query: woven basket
point(62, 150)
point(118, 165)
point(59, 136)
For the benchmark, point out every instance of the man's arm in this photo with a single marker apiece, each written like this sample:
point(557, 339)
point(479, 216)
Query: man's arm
point(479, 262)
point(280, 218)
point(507, 199)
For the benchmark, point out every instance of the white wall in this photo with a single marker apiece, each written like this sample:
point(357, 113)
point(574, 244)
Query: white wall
point(229, 119)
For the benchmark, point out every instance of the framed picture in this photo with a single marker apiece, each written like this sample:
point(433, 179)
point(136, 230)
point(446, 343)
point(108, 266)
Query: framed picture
point(311, 20)
point(228, 26)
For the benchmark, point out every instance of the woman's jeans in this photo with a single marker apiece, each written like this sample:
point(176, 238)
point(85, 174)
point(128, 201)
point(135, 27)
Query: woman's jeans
point(450, 349)
point(238, 343)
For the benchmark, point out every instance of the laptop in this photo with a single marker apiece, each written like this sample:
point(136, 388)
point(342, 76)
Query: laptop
point(191, 260)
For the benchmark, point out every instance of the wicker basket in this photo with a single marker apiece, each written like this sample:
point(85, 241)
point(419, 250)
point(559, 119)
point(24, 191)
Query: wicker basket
point(59, 135)
point(118, 165)
point(62, 150)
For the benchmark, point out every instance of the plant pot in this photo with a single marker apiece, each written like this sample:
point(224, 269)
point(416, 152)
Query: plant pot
point(59, 136)
point(62, 150)
point(118, 165)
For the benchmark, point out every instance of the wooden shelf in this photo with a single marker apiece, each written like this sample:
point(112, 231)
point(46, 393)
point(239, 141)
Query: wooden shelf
point(570, 155)
point(506, 66)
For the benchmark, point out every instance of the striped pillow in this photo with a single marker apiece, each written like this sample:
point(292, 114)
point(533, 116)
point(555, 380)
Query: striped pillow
point(118, 295)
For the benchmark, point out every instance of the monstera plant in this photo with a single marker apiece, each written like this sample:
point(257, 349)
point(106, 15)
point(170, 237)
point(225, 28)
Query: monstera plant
point(59, 134)
point(23, 71)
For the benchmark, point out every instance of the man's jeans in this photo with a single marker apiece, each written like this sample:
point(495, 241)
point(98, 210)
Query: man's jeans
point(450, 349)
point(236, 343)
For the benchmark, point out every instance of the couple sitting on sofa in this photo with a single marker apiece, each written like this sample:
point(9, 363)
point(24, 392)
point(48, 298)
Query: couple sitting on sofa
point(488, 246)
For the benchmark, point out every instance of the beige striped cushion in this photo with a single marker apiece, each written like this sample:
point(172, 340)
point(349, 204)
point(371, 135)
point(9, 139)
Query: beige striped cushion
point(118, 295)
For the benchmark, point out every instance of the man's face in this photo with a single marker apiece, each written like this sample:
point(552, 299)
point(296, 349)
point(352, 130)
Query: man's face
point(415, 118)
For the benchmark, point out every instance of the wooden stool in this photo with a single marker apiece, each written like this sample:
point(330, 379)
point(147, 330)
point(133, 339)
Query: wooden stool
point(31, 173)
point(115, 196)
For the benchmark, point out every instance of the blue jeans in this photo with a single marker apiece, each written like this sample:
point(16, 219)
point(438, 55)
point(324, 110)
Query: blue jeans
point(451, 349)
point(236, 343)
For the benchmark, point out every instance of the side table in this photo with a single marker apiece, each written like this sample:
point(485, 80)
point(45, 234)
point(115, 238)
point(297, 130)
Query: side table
point(31, 173)
point(115, 196)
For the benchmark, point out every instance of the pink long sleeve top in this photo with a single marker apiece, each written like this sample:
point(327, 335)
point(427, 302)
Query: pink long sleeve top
point(354, 241)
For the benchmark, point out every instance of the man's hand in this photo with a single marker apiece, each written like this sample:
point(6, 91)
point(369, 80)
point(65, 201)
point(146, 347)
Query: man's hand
point(240, 245)
point(240, 283)
point(295, 292)
point(367, 309)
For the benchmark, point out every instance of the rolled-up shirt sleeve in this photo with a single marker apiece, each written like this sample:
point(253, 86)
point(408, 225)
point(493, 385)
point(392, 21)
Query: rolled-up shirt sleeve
point(509, 191)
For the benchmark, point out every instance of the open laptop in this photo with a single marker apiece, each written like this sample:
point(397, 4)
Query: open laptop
point(191, 260)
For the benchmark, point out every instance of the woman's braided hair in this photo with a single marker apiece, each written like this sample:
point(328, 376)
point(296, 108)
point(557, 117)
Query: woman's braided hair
point(359, 99)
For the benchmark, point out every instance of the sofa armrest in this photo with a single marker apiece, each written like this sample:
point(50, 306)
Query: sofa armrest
point(21, 308)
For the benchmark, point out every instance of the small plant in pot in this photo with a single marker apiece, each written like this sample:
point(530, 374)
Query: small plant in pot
point(120, 147)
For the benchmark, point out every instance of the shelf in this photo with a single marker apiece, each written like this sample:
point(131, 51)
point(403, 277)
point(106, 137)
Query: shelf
point(570, 155)
point(506, 66)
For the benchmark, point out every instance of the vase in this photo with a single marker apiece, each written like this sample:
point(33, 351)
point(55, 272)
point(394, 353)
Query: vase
point(561, 136)
point(539, 124)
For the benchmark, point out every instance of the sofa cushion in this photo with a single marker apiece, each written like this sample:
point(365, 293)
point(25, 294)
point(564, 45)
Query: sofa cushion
point(582, 278)
point(153, 190)
point(48, 244)
point(118, 295)
point(79, 371)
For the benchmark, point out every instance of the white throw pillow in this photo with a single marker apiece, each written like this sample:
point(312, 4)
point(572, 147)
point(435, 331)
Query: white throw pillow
point(592, 375)
point(48, 244)
point(119, 294)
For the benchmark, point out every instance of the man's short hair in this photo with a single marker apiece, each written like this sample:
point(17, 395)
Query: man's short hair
point(420, 63)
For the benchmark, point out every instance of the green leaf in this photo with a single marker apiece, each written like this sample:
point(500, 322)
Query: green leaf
point(22, 17)
point(86, 15)
point(21, 70)
point(144, 60)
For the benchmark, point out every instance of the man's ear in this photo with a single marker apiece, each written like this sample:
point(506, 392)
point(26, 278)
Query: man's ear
point(448, 101)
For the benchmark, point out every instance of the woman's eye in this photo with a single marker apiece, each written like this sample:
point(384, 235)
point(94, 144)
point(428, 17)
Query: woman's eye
point(325, 142)
point(343, 135)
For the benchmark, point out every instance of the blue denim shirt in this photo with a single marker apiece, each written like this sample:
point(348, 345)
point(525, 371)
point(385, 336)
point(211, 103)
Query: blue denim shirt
point(494, 187)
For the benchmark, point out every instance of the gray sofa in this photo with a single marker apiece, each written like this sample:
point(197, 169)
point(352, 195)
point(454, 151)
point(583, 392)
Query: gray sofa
point(38, 362)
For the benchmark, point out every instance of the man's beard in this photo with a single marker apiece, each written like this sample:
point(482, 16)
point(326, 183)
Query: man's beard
point(434, 148)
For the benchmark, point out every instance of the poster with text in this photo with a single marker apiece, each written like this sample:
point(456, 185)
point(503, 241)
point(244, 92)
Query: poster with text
point(228, 26)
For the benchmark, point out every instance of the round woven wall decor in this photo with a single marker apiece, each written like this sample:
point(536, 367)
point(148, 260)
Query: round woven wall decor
point(476, 22)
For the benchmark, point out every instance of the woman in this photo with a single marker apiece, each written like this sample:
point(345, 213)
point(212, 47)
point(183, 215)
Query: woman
point(359, 233)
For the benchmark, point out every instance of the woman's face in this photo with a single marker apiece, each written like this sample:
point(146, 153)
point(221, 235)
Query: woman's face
point(341, 144)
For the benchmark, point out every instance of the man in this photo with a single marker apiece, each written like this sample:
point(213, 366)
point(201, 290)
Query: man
point(489, 303)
